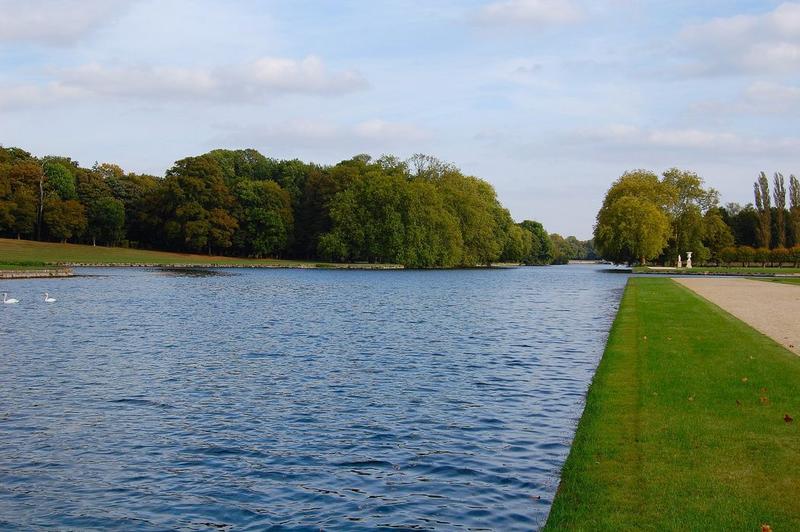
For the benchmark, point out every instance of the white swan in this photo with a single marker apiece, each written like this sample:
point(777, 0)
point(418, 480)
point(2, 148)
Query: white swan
point(48, 299)
point(9, 300)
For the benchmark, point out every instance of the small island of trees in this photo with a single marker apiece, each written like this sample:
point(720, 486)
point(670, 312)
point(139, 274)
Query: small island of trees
point(646, 217)
point(420, 212)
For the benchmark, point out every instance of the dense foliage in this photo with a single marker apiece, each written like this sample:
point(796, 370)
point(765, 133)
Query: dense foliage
point(421, 213)
point(646, 217)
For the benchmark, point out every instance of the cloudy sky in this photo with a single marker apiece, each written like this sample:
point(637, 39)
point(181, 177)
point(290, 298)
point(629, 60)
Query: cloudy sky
point(549, 100)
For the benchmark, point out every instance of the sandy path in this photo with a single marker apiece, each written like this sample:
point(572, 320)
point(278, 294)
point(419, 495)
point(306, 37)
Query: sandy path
point(771, 308)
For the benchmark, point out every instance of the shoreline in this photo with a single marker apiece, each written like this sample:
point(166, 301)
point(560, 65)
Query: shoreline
point(37, 273)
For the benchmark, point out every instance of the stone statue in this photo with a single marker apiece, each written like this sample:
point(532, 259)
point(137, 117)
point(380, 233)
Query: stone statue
point(680, 262)
point(689, 259)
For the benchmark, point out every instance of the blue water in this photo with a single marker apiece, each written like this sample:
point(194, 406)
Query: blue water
point(248, 399)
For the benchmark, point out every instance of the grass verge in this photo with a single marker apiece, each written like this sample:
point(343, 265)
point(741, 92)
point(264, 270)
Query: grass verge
point(15, 254)
point(719, 270)
point(684, 424)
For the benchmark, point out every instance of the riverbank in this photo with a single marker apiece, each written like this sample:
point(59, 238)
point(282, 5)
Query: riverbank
point(684, 424)
point(34, 273)
point(755, 271)
point(31, 255)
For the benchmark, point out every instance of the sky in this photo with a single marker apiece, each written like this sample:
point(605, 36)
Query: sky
point(548, 100)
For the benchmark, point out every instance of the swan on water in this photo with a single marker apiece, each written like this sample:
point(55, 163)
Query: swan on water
point(9, 300)
point(48, 299)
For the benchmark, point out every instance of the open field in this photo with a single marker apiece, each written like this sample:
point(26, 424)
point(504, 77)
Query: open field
point(719, 270)
point(684, 426)
point(22, 254)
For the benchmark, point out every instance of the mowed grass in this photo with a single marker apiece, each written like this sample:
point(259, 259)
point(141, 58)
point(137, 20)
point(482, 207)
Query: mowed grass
point(684, 424)
point(19, 254)
point(734, 270)
point(784, 280)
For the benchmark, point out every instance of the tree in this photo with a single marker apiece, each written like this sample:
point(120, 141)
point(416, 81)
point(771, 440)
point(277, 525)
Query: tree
point(717, 235)
point(264, 212)
point(689, 201)
point(779, 194)
point(541, 245)
point(763, 206)
point(106, 220)
point(794, 209)
point(192, 198)
point(64, 219)
point(630, 229)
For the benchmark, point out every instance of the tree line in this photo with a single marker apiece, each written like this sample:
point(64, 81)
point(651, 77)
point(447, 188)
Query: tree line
point(420, 212)
point(649, 217)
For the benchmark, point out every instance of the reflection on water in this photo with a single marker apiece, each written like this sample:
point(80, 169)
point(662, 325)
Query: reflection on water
point(294, 398)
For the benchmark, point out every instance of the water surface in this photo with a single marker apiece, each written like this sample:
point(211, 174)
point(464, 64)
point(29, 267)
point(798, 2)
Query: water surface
point(152, 400)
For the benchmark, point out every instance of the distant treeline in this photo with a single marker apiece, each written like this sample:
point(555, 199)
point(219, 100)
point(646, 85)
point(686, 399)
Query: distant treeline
point(418, 212)
point(647, 217)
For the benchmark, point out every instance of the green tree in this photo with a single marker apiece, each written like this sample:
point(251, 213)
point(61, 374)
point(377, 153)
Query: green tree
point(779, 195)
point(541, 245)
point(717, 235)
point(794, 209)
point(630, 229)
point(764, 208)
point(264, 211)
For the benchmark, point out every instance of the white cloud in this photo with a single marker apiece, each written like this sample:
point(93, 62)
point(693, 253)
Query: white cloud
point(535, 13)
point(629, 137)
point(54, 22)
point(250, 82)
point(765, 43)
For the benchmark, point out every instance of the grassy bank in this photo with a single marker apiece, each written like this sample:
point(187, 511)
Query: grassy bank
point(18, 254)
point(719, 270)
point(684, 424)
point(784, 280)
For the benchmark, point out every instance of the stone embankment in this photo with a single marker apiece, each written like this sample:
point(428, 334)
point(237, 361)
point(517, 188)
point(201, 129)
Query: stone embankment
point(36, 274)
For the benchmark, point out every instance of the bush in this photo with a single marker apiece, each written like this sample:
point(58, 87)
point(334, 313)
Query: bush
point(762, 255)
point(778, 256)
point(794, 255)
point(728, 255)
point(745, 255)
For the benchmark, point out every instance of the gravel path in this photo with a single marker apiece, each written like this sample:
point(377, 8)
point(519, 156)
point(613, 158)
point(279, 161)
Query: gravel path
point(771, 308)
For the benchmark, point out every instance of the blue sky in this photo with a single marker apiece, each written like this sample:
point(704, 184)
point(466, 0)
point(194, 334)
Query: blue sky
point(549, 100)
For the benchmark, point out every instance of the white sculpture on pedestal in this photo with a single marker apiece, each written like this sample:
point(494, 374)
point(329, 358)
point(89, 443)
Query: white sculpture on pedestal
point(689, 259)
point(680, 262)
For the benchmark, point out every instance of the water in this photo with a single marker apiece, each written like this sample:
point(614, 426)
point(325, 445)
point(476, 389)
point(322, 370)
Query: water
point(147, 400)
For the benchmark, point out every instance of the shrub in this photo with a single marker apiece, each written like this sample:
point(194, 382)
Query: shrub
point(794, 255)
point(778, 256)
point(745, 255)
point(728, 255)
point(762, 255)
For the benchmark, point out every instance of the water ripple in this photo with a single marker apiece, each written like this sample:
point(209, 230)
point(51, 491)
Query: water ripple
point(296, 400)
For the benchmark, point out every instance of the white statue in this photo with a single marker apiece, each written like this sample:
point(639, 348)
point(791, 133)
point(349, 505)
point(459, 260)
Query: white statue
point(689, 259)
point(680, 262)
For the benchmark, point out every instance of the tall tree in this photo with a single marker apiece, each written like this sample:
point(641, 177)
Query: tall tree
point(764, 208)
point(779, 194)
point(794, 209)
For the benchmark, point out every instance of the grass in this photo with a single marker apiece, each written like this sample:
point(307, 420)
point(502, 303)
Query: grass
point(22, 254)
point(783, 280)
point(684, 424)
point(732, 270)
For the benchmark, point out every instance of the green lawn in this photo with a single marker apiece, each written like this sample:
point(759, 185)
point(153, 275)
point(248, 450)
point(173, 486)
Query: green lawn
point(27, 253)
point(737, 270)
point(684, 424)
point(783, 280)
